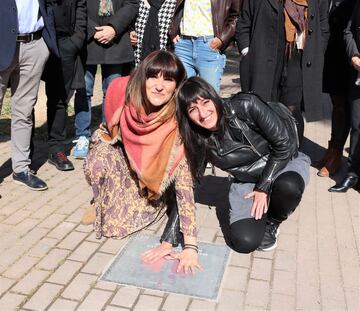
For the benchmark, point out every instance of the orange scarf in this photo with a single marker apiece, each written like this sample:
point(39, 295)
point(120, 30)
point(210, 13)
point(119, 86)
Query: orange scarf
point(152, 146)
point(295, 22)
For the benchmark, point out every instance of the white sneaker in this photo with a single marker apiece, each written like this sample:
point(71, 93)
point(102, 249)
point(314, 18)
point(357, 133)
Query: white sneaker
point(81, 148)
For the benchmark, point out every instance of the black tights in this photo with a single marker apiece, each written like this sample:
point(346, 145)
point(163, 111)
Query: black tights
point(286, 192)
point(296, 112)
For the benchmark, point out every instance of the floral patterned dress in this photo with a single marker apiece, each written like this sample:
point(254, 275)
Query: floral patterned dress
point(121, 207)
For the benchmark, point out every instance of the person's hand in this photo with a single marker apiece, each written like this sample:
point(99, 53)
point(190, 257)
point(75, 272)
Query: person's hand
point(104, 34)
point(176, 39)
point(260, 203)
point(133, 38)
point(355, 61)
point(156, 253)
point(216, 44)
point(188, 261)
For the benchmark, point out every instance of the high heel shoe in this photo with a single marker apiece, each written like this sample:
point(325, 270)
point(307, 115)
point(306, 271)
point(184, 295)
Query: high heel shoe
point(350, 181)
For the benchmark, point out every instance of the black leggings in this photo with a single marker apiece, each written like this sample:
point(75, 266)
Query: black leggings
point(286, 192)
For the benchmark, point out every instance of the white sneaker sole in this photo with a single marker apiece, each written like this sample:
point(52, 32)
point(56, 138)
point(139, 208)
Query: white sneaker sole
point(34, 189)
point(272, 247)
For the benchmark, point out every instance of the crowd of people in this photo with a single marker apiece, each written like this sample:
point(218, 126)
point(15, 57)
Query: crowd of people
point(163, 120)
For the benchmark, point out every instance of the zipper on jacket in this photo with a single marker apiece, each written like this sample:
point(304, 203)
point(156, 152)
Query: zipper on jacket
point(239, 126)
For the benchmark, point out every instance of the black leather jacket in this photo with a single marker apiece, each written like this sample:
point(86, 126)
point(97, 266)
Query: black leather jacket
point(255, 144)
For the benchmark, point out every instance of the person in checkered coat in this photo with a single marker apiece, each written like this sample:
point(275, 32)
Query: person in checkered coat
point(151, 27)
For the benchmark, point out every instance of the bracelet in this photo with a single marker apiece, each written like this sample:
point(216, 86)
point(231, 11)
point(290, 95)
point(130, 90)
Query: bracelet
point(193, 248)
point(192, 245)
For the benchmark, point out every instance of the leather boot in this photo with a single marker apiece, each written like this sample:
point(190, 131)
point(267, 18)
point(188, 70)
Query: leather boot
point(89, 216)
point(349, 181)
point(332, 164)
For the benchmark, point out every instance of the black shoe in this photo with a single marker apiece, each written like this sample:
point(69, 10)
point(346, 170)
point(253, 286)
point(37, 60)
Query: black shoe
point(269, 240)
point(61, 161)
point(350, 181)
point(30, 180)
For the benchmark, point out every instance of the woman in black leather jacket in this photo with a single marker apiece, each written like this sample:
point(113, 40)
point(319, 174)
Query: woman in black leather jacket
point(246, 138)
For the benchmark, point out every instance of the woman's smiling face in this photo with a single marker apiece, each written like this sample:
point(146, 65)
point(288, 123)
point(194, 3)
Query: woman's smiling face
point(159, 90)
point(203, 113)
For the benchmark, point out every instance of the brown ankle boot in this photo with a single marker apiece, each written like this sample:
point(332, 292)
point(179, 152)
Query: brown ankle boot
point(332, 163)
point(89, 216)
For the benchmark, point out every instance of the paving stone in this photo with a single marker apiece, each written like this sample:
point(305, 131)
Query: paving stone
point(152, 292)
point(201, 305)
point(79, 286)
point(61, 230)
point(52, 221)
point(65, 272)
point(92, 238)
point(96, 300)
point(352, 299)
point(84, 251)
point(113, 246)
point(284, 282)
point(235, 278)
point(72, 240)
point(126, 297)
point(285, 260)
point(97, 263)
point(257, 294)
point(308, 298)
point(41, 248)
point(179, 302)
point(83, 228)
point(148, 303)
point(106, 285)
point(30, 282)
point(207, 234)
point(63, 305)
point(52, 260)
point(5, 284)
point(282, 302)
point(230, 301)
point(112, 308)
point(261, 269)
point(241, 260)
point(21, 267)
point(10, 302)
point(43, 297)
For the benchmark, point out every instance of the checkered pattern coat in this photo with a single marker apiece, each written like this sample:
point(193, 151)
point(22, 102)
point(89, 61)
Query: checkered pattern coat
point(165, 15)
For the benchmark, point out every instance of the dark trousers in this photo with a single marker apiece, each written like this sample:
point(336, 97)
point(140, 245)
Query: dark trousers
point(59, 77)
point(286, 192)
point(354, 154)
point(340, 121)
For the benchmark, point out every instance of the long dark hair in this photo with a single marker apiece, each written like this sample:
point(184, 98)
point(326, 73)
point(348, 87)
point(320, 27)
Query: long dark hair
point(194, 137)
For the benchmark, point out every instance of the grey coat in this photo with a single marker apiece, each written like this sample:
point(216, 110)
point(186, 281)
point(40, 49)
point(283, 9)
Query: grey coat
point(258, 29)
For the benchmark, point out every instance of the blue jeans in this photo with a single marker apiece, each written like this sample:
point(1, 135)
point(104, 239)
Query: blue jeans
point(82, 101)
point(199, 59)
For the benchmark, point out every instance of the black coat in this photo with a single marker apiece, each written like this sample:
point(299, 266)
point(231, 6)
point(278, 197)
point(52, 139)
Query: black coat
point(120, 50)
point(258, 29)
point(336, 65)
point(70, 25)
point(9, 30)
point(352, 33)
point(257, 150)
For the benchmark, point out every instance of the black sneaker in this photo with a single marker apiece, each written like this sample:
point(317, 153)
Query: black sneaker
point(30, 180)
point(269, 240)
point(61, 161)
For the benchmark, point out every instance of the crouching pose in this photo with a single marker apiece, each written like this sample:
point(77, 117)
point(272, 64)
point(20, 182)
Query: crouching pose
point(249, 139)
point(136, 165)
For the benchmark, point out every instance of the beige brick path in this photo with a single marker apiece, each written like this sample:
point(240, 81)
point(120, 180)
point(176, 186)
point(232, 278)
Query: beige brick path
point(49, 261)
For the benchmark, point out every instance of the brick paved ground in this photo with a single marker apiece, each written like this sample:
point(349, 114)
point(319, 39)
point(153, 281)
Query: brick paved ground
point(50, 262)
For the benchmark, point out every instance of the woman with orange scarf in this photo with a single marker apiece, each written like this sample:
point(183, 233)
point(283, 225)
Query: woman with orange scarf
point(137, 166)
